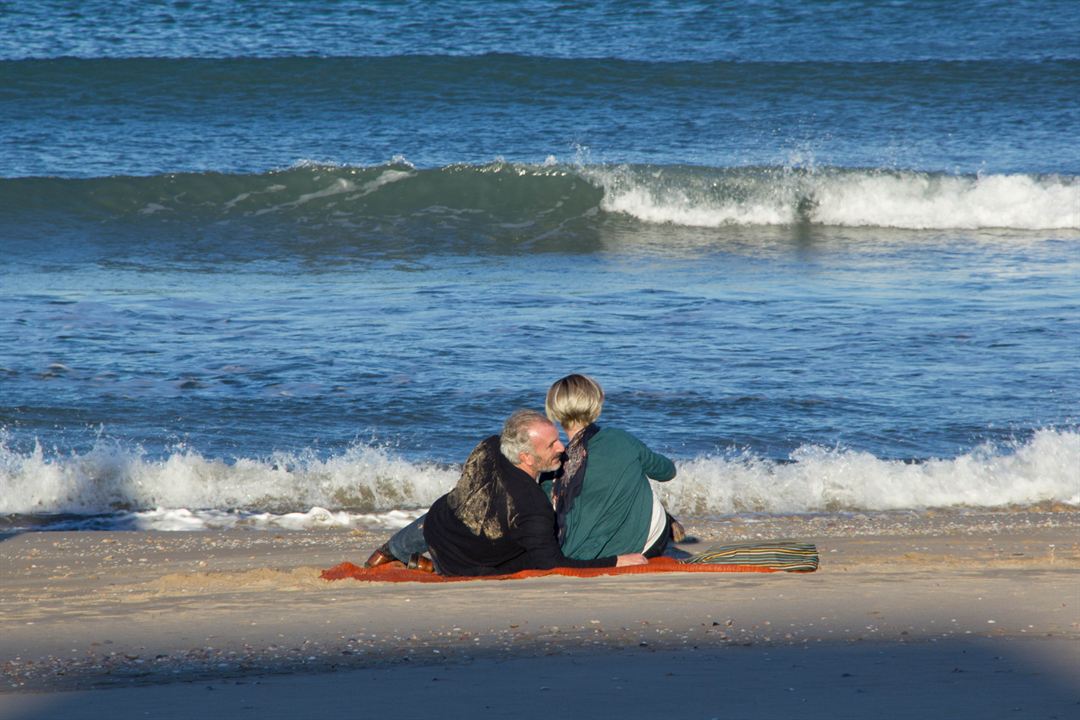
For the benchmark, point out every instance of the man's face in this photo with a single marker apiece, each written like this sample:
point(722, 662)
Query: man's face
point(547, 447)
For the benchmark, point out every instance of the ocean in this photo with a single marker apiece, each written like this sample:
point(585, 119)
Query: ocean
point(282, 265)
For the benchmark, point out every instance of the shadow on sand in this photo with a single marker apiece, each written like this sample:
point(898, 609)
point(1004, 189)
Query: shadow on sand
point(978, 679)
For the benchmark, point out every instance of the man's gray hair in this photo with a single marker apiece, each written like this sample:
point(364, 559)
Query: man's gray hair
point(514, 438)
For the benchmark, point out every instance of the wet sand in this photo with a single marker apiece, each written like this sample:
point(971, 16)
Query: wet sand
point(948, 615)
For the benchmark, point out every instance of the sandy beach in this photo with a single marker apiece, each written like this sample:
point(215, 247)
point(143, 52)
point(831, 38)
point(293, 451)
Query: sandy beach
point(269, 272)
point(910, 615)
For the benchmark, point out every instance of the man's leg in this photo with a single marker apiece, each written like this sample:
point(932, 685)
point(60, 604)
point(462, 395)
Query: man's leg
point(409, 540)
point(402, 545)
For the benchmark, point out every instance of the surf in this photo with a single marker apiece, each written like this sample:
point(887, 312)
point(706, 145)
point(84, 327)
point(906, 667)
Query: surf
point(114, 485)
point(508, 197)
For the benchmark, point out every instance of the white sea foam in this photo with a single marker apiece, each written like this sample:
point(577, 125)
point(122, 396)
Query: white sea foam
point(384, 178)
point(849, 198)
point(1042, 470)
point(182, 519)
point(370, 487)
point(112, 477)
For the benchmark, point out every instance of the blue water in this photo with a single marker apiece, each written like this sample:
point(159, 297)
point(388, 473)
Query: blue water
point(267, 258)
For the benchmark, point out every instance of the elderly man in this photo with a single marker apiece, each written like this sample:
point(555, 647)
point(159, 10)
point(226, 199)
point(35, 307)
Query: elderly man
point(496, 520)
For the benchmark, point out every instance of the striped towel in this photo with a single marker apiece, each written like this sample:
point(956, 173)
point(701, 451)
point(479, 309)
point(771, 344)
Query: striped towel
point(787, 555)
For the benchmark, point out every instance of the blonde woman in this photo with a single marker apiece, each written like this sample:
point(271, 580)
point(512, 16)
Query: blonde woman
point(603, 500)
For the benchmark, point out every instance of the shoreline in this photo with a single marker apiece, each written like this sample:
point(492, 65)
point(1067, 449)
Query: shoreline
point(130, 611)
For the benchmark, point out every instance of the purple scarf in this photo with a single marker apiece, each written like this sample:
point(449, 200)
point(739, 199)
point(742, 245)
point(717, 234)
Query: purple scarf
point(567, 486)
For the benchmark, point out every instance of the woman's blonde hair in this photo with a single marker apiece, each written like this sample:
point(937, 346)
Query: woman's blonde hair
point(574, 400)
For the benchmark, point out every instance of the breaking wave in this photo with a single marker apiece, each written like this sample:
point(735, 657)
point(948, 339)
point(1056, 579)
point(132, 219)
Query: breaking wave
point(116, 486)
point(844, 198)
point(552, 194)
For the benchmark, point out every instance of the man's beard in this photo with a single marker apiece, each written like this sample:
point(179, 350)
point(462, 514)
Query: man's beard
point(554, 464)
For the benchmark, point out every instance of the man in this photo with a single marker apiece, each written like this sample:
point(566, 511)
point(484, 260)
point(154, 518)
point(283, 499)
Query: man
point(496, 520)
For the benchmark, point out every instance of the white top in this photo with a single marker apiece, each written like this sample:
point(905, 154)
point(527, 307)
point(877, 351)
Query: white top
point(658, 523)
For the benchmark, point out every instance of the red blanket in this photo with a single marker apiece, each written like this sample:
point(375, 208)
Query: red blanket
point(396, 572)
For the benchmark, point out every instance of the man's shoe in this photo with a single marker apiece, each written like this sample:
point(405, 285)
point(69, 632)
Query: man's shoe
point(380, 557)
point(421, 563)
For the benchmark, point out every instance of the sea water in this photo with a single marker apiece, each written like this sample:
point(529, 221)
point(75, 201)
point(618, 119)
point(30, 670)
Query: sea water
point(283, 266)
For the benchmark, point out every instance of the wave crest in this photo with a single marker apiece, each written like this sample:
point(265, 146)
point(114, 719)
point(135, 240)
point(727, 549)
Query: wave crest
point(111, 477)
point(367, 485)
point(838, 197)
point(816, 479)
point(545, 197)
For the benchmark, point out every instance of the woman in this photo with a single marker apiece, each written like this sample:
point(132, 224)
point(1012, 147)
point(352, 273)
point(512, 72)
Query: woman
point(603, 500)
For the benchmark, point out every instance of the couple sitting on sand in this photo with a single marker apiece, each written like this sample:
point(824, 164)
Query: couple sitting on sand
point(503, 517)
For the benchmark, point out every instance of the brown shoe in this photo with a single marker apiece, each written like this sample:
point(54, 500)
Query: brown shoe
point(421, 563)
point(380, 557)
point(678, 532)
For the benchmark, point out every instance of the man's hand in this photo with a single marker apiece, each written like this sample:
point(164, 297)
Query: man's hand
point(630, 559)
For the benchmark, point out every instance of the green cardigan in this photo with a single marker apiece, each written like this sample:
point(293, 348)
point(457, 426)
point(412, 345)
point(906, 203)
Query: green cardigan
point(611, 516)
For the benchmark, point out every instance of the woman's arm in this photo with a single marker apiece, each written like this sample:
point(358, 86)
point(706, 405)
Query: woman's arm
point(658, 467)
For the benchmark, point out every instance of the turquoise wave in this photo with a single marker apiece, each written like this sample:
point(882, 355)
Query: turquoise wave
point(509, 197)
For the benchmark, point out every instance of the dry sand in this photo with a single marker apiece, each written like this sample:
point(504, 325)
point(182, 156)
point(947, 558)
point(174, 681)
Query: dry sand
point(947, 615)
